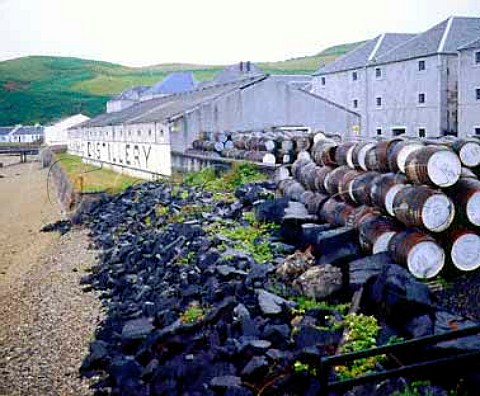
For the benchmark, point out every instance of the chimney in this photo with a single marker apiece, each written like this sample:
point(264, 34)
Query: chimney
point(241, 66)
point(248, 66)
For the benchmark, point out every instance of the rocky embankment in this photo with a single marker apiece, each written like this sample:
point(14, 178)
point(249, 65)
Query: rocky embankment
point(205, 297)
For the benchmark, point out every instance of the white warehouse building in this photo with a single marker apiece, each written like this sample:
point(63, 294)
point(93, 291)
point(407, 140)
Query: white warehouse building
point(418, 85)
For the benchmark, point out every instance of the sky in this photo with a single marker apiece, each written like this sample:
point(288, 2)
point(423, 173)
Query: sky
point(148, 32)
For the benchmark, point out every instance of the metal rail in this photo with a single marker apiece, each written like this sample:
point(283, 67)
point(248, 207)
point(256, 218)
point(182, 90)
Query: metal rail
point(415, 368)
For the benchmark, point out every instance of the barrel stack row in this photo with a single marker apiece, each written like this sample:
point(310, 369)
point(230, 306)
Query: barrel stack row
point(265, 147)
point(418, 200)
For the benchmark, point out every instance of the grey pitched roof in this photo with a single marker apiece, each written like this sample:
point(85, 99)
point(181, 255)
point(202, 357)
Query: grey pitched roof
point(473, 44)
point(361, 55)
point(132, 93)
point(173, 83)
point(161, 109)
point(6, 130)
point(29, 130)
point(237, 71)
point(445, 37)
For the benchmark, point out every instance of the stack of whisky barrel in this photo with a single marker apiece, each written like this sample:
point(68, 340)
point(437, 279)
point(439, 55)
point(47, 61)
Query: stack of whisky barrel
point(270, 148)
point(419, 200)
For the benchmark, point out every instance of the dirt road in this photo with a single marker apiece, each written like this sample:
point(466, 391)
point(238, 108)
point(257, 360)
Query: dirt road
point(46, 319)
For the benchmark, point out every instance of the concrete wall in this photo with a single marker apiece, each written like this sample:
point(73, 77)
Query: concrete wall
point(468, 81)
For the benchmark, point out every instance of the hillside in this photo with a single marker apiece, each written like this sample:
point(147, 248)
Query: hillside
point(41, 89)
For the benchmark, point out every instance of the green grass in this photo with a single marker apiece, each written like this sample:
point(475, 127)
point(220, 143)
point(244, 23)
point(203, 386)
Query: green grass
point(43, 89)
point(89, 178)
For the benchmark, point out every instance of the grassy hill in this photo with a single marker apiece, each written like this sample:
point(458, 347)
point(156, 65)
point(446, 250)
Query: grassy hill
point(41, 89)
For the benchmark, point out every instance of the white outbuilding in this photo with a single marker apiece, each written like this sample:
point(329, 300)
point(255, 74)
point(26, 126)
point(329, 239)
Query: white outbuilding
point(56, 134)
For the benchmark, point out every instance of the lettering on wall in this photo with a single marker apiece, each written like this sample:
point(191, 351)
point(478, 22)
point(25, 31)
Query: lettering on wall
point(149, 157)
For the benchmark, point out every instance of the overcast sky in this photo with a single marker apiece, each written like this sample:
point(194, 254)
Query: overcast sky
point(146, 32)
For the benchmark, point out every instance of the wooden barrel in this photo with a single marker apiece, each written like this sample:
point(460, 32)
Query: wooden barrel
point(290, 189)
point(380, 188)
point(287, 145)
point(302, 143)
point(468, 151)
point(221, 137)
point(376, 232)
point(268, 159)
point(360, 215)
point(342, 153)
point(344, 184)
point(359, 154)
point(359, 188)
point(399, 152)
point(313, 201)
point(418, 251)
point(304, 155)
point(306, 175)
point(297, 166)
point(464, 249)
point(333, 179)
point(420, 206)
point(228, 145)
point(377, 157)
point(433, 165)
point(318, 136)
point(335, 212)
point(323, 153)
point(321, 173)
point(239, 141)
point(281, 173)
point(466, 195)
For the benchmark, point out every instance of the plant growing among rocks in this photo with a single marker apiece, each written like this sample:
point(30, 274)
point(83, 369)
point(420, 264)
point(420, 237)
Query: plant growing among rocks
point(193, 313)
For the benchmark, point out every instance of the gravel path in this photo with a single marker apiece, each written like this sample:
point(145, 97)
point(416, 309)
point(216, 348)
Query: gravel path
point(46, 320)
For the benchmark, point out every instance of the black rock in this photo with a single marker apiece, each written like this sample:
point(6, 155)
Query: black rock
point(271, 210)
point(225, 382)
point(137, 328)
point(257, 366)
point(270, 303)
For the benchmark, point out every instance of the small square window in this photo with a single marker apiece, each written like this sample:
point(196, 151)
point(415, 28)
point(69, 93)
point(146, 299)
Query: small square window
point(378, 101)
point(477, 93)
point(323, 80)
point(379, 131)
point(354, 76)
point(355, 103)
point(421, 98)
point(421, 65)
point(139, 132)
point(477, 131)
point(378, 72)
point(422, 132)
point(477, 57)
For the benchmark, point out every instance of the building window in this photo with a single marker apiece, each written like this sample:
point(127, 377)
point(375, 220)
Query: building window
point(477, 58)
point(421, 65)
point(422, 132)
point(477, 93)
point(379, 131)
point(378, 72)
point(323, 80)
point(354, 76)
point(355, 103)
point(477, 131)
point(139, 132)
point(378, 101)
point(421, 98)
point(149, 132)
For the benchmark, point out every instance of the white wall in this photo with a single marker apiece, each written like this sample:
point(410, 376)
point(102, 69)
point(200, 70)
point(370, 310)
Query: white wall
point(57, 134)
point(468, 81)
point(118, 105)
point(137, 150)
point(399, 87)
